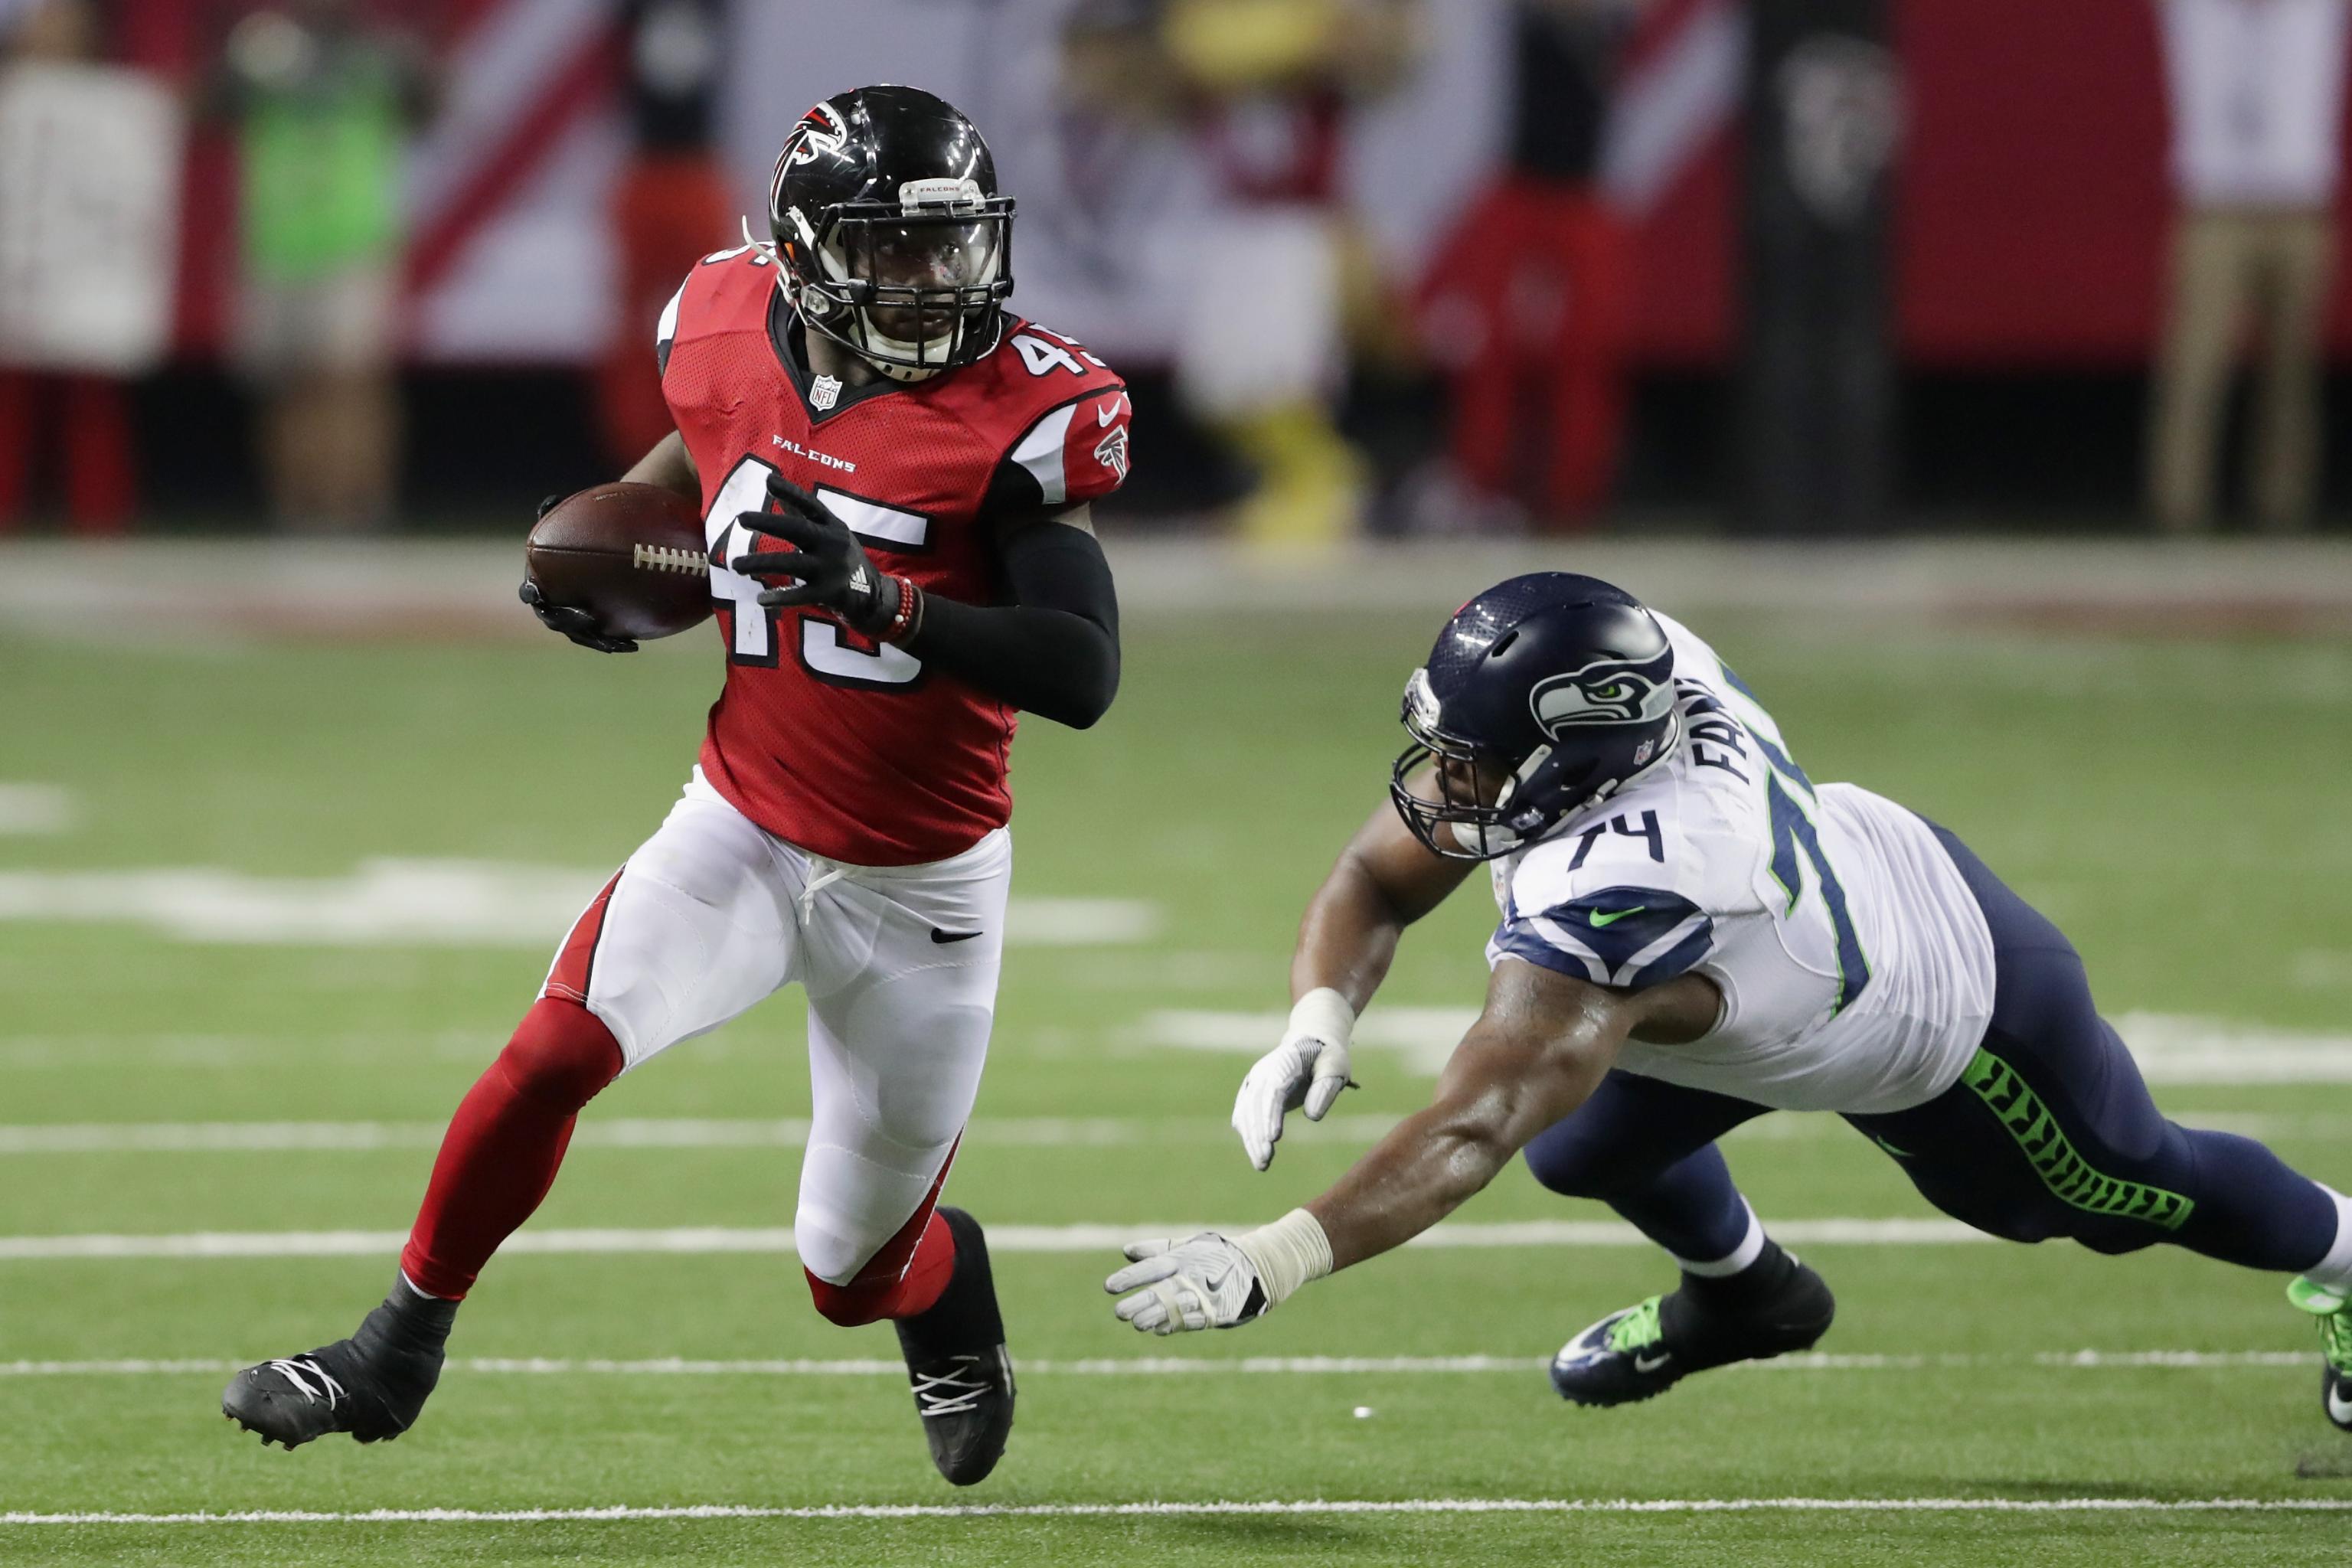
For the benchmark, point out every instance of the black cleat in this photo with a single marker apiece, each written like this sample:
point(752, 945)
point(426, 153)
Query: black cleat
point(372, 1385)
point(1646, 1349)
point(956, 1359)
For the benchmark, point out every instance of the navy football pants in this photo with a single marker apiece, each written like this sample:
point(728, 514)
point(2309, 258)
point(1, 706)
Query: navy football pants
point(2050, 1132)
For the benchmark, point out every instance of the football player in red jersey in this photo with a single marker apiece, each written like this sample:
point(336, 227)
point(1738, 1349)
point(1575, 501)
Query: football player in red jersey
point(895, 474)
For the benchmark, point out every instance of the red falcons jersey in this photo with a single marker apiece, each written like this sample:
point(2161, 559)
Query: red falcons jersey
point(843, 745)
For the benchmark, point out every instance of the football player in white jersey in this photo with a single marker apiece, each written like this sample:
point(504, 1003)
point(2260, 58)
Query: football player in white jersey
point(1694, 933)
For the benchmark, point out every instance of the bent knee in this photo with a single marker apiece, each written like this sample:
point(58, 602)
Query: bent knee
point(561, 1053)
point(2115, 1243)
point(1570, 1172)
point(854, 1305)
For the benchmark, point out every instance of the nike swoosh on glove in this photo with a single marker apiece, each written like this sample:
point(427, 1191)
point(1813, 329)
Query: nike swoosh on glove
point(1205, 1281)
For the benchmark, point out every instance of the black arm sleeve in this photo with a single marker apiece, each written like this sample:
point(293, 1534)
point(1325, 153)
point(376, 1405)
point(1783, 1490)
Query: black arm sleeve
point(1055, 650)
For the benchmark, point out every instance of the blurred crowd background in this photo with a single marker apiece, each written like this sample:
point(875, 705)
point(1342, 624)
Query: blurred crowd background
point(1385, 266)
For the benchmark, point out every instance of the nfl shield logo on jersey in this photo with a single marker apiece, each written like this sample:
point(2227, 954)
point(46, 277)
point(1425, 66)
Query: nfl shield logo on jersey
point(823, 392)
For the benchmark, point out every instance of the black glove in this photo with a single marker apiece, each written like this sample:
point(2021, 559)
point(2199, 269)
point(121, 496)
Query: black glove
point(833, 569)
point(572, 621)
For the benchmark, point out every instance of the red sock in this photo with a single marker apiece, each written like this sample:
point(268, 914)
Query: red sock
point(500, 1153)
point(906, 1275)
point(868, 1299)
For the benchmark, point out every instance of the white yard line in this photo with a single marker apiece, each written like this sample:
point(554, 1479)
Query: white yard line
point(392, 902)
point(791, 1133)
point(1103, 1238)
point(2171, 1048)
point(1217, 1509)
point(1197, 1366)
point(636, 1132)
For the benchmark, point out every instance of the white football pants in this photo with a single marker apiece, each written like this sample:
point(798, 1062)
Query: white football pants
point(713, 914)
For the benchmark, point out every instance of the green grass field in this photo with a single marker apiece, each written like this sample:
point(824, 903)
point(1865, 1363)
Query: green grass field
point(2177, 805)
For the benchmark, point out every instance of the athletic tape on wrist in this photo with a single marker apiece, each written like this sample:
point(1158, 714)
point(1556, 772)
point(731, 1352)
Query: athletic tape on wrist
point(1323, 1014)
point(1286, 1253)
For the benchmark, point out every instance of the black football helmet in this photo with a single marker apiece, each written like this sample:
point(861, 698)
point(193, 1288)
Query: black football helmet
point(890, 236)
point(1544, 696)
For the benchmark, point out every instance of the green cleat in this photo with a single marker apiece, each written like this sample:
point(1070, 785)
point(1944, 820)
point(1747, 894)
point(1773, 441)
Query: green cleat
point(1647, 1348)
point(2334, 1311)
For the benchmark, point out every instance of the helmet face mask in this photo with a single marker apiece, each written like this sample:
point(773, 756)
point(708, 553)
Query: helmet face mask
point(1543, 697)
point(1458, 799)
point(890, 237)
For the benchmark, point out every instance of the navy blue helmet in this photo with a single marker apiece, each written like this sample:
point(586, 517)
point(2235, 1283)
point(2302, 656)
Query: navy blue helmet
point(1543, 696)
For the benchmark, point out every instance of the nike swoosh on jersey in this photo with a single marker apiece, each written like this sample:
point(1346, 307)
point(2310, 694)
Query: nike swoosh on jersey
point(1598, 919)
point(1103, 417)
point(945, 937)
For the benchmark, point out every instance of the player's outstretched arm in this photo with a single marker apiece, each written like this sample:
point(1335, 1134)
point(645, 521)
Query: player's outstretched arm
point(1541, 1045)
point(1384, 881)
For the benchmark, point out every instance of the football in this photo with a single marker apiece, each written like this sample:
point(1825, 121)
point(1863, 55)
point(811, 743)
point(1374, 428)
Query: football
point(632, 555)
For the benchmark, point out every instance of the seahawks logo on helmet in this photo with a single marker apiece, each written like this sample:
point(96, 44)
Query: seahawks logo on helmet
point(1607, 692)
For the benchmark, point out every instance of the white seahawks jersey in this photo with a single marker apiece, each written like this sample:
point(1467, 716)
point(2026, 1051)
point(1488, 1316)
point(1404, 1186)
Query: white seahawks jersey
point(1855, 967)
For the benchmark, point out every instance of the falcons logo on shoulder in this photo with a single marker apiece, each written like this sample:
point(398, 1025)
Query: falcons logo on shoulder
point(1112, 452)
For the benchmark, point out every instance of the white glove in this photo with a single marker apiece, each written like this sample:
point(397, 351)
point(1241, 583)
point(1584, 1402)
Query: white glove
point(1211, 1281)
point(1309, 1068)
point(1205, 1282)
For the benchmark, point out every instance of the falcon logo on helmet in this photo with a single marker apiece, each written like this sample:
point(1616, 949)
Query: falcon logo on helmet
point(820, 132)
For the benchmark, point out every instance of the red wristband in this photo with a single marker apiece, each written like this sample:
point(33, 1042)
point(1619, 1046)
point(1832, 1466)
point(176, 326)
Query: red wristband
point(909, 616)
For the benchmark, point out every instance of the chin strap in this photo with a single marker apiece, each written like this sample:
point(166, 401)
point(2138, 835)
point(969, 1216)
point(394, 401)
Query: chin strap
point(942, 345)
point(906, 373)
